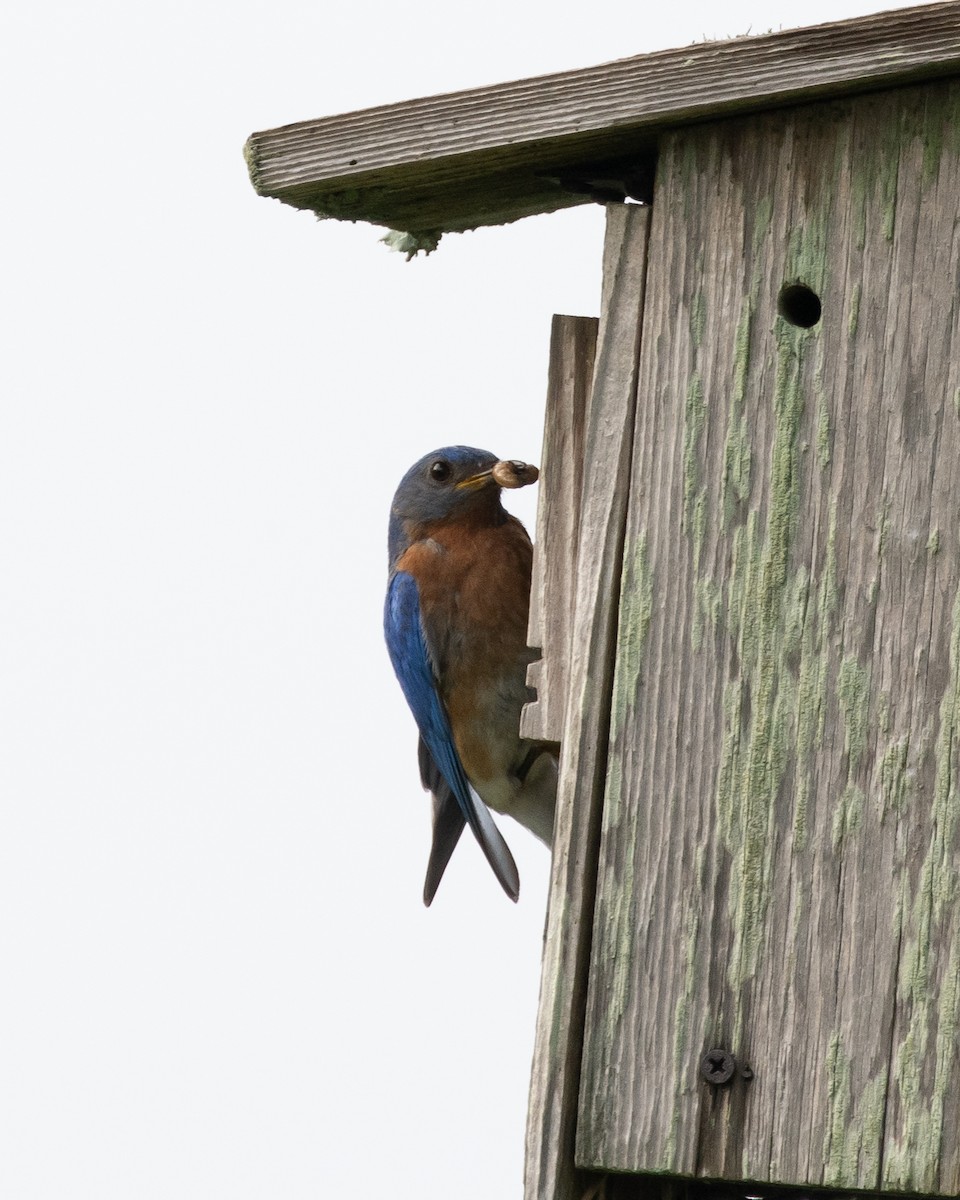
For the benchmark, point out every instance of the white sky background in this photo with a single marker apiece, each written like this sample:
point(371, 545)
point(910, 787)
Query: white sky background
point(217, 978)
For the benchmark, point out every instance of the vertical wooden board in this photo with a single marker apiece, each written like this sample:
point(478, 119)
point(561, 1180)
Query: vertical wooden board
point(608, 442)
point(779, 858)
point(573, 346)
point(922, 765)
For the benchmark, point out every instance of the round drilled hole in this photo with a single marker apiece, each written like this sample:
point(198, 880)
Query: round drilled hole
point(799, 305)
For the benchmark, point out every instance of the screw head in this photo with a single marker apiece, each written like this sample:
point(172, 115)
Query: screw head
point(717, 1066)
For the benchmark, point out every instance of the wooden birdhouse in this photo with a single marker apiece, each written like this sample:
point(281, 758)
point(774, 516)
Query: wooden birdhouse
point(747, 592)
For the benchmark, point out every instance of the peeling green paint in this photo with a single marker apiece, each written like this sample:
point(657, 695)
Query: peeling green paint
point(735, 485)
point(883, 713)
point(824, 435)
point(853, 690)
point(698, 532)
point(613, 790)
point(916, 954)
point(694, 415)
point(838, 1098)
point(828, 592)
point(933, 541)
point(706, 612)
point(736, 477)
point(698, 317)
point(807, 260)
point(853, 1136)
point(741, 355)
point(728, 776)
point(785, 469)
point(853, 319)
point(892, 781)
point(636, 606)
point(847, 816)
point(883, 525)
point(796, 596)
point(746, 552)
point(864, 1143)
point(812, 683)
point(828, 598)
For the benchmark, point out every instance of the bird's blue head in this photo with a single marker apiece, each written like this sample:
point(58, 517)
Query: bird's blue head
point(446, 483)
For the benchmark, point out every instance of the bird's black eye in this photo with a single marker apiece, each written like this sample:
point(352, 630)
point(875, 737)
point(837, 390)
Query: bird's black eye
point(440, 470)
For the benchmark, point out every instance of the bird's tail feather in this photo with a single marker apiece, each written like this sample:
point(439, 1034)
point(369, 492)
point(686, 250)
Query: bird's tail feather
point(448, 824)
point(494, 847)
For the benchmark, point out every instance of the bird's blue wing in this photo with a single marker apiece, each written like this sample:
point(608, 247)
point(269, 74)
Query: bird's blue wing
point(407, 646)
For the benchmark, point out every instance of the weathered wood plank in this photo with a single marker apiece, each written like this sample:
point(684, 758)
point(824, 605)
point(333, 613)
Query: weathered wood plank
point(780, 864)
point(573, 346)
point(606, 456)
point(492, 154)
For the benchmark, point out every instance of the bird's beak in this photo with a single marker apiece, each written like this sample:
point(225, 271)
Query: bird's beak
point(475, 482)
point(508, 473)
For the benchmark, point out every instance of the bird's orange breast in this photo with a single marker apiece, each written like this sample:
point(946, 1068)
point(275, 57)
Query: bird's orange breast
point(474, 584)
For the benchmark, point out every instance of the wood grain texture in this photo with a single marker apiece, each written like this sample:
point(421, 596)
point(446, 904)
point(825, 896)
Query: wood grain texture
point(491, 154)
point(606, 457)
point(780, 860)
point(573, 346)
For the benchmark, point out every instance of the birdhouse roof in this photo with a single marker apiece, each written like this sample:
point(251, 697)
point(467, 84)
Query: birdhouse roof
point(493, 154)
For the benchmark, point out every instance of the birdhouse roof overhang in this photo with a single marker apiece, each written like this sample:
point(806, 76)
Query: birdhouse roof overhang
point(493, 154)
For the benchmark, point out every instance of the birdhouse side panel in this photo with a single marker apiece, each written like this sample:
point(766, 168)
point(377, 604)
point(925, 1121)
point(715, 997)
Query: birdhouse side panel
point(779, 860)
point(573, 348)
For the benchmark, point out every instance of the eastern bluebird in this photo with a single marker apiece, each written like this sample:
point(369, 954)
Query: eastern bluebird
point(455, 621)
